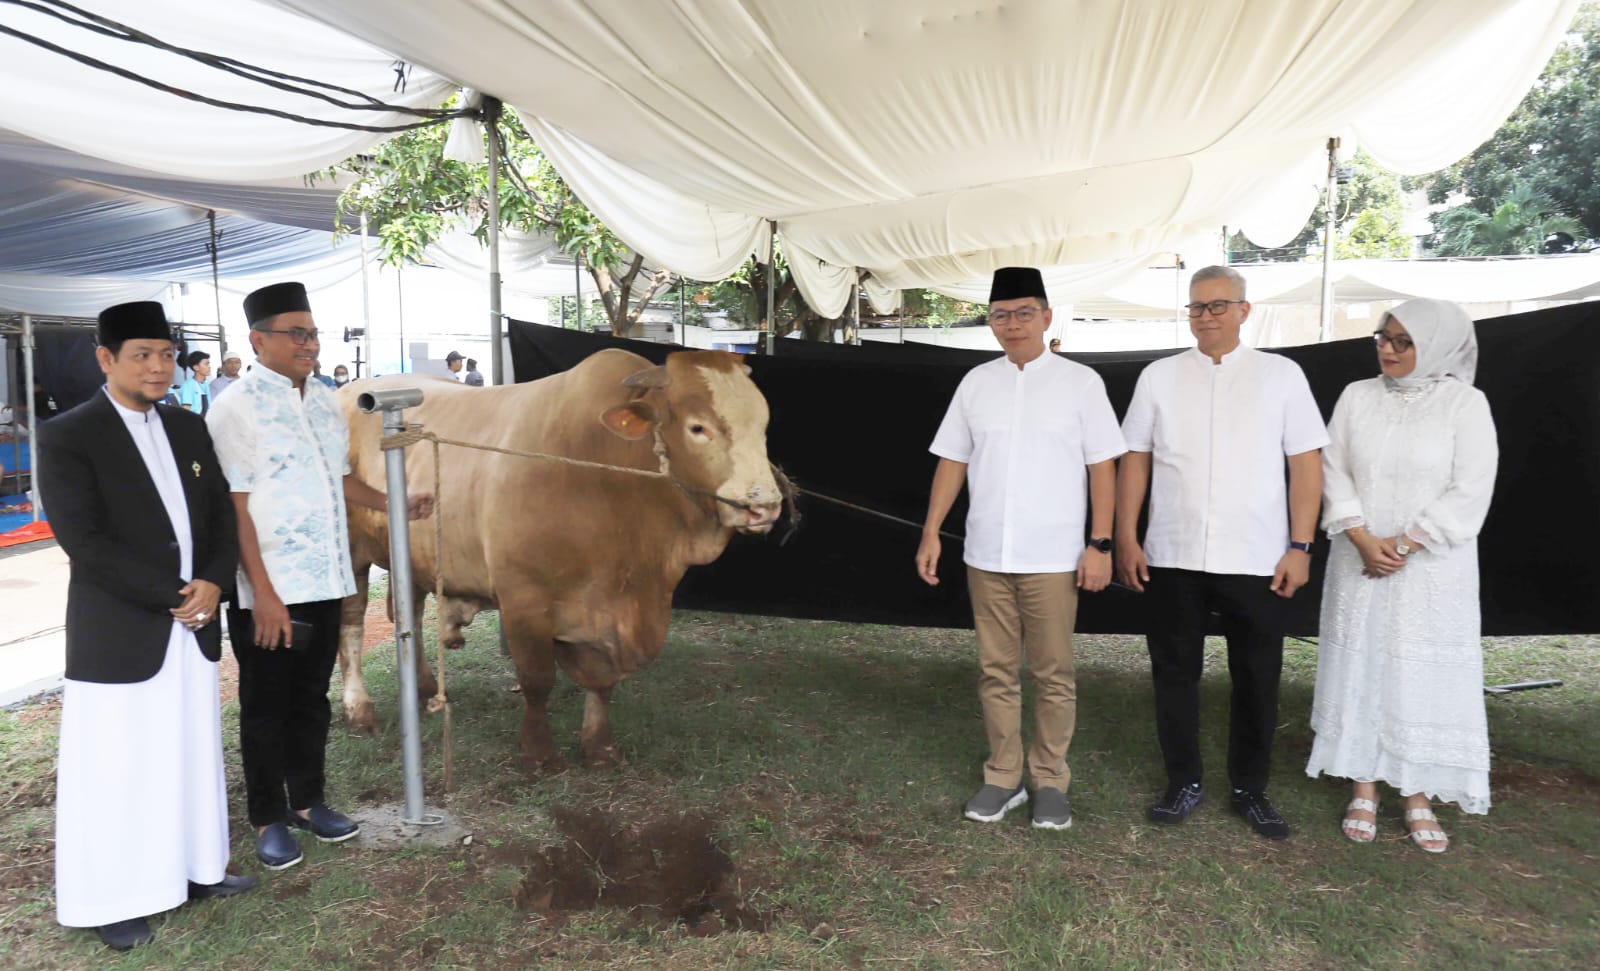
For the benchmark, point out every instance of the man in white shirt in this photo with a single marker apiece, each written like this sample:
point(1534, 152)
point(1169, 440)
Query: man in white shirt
point(231, 362)
point(284, 446)
point(1217, 423)
point(1026, 432)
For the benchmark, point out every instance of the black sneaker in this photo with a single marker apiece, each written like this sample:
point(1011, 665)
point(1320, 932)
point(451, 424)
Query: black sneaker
point(1051, 810)
point(1257, 810)
point(1177, 804)
point(325, 824)
point(991, 803)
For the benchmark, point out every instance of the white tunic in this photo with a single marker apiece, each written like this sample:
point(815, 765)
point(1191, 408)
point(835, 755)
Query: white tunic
point(1027, 437)
point(1399, 694)
point(1218, 434)
point(141, 804)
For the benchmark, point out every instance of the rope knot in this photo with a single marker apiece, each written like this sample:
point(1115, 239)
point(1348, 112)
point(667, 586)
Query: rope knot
point(403, 439)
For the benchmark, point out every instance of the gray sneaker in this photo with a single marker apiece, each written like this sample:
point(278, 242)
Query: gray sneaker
point(991, 803)
point(1051, 809)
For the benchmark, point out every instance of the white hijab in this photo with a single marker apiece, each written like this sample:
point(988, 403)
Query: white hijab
point(1446, 342)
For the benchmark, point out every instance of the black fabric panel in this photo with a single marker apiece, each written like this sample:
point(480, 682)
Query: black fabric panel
point(855, 422)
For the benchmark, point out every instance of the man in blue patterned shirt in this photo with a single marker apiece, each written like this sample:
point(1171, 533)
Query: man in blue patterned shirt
point(284, 446)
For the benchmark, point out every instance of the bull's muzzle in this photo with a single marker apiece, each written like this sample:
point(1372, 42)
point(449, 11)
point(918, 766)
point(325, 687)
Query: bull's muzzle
point(758, 518)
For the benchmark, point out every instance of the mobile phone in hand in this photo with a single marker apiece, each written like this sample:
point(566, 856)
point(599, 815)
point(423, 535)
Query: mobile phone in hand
point(301, 633)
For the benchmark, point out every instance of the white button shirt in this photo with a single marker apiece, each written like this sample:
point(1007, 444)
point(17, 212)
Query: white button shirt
point(1027, 437)
point(290, 453)
point(1218, 434)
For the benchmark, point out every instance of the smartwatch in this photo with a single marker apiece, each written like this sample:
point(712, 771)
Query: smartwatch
point(1103, 544)
point(1302, 547)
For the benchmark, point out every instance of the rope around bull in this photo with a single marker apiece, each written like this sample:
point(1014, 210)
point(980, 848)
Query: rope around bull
point(416, 434)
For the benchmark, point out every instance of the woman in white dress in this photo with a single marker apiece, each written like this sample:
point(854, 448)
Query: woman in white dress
point(1407, 479)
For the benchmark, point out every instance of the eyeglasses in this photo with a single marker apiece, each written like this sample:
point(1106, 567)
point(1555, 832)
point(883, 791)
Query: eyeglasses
point(1399, 343)
point(1217, 307)
point(299, 335)
point(1022, 315)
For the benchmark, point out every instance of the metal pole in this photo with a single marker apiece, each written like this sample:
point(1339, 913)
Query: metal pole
point(1326, 331)
point(491, 121)
point(771, 323)
point(683, 324)
point(1178, 313)
point(215, 245)
point(393, 403)
point(577, 288)
point(33, 417)
point(400, 310)
point(366, 296)
point(855, 313)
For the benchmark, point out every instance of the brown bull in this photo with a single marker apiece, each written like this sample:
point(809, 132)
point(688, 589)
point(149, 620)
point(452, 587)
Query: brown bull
point(580, 562)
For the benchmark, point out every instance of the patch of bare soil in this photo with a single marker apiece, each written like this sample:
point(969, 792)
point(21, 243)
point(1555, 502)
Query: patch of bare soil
point(1556, 783)
point(662, 871)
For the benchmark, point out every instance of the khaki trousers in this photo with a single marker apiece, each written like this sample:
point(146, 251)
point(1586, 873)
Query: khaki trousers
point(1032, 613)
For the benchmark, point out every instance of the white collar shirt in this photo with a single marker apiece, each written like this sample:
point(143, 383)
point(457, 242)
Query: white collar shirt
point(150, 438)
point(1027, 437)
point(290, 452)
point(1218, 435)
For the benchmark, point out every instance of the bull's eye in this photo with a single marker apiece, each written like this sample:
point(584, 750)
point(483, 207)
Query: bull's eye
point(697, 429)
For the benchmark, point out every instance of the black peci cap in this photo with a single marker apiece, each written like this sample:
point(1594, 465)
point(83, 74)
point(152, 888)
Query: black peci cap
point(1015, 282)
point(280, 298)
point(141, 320)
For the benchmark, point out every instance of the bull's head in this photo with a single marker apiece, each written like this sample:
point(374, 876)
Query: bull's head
point(713, 422)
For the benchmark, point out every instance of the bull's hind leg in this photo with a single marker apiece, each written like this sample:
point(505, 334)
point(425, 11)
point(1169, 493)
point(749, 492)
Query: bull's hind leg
point(358, 712)
point(427, 684)
point(532, 652)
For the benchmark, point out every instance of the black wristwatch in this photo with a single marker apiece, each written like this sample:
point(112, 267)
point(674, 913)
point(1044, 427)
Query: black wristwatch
point(1103, 544)
point(1302, 547)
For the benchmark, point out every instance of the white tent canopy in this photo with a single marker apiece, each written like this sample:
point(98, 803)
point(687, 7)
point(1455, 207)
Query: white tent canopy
point(929, 141)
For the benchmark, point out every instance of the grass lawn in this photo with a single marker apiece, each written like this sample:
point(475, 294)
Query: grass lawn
point(828, 764)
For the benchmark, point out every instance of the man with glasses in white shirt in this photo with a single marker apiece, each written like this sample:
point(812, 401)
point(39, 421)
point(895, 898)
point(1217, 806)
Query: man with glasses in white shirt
point(1217, 424)
point(284, 445)
point(1035, 440)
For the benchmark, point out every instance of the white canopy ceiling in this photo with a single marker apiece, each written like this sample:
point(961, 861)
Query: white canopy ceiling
point(928, 141)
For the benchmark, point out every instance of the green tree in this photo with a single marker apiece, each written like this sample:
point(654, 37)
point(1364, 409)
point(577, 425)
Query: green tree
point(1519, 224)
point(1370, 222)
point(412, 195)
point(1551, 142)
point(937, 310)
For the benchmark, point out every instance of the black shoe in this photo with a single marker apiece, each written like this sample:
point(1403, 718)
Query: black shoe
point(1257, 810)
point(124, 934)
point(325, 824)
point(226, 887)
point(277, 848)
point(1177, 804)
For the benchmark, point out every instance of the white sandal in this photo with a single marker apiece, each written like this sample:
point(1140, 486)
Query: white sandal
point(1367, 829)
point(1421, 836)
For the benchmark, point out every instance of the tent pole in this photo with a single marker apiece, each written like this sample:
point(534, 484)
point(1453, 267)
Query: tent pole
point(683, 323)
point(215, 245)
point(400, 310)
point(772, 283)
point(33, 417)
point(1177, 300)
point(577, 288)
point(1325, 332)
point(491, 120)
point(855, 313)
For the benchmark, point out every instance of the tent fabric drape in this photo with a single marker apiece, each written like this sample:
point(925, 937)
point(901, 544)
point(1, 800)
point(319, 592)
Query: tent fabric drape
point(929, 141)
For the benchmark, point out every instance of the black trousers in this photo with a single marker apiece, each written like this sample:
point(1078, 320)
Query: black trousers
point(284, 712)
point(1180, 603)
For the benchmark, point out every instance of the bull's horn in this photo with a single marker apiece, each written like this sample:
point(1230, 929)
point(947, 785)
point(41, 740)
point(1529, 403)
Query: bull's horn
point(650, 377)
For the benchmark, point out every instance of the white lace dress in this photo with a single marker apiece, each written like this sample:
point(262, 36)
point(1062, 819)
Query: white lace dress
point(1399, 695)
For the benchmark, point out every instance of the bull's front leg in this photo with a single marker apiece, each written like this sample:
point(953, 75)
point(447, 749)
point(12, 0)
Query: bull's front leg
point(594, 740)
point(533, 653)
point(427, 685)
point(358, 714)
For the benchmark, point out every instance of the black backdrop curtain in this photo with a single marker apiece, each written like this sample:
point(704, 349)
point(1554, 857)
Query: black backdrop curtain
point(855, 422)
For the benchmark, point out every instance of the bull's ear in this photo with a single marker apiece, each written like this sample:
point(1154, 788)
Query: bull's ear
point(650, 377)
point(632, 421)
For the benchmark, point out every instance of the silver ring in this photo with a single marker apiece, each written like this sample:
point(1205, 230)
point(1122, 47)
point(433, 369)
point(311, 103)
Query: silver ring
point(200, 616)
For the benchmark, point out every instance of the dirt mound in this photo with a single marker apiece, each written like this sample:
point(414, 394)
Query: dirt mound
point(661, 871)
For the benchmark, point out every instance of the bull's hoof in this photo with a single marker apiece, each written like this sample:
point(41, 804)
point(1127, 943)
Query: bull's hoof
point(602, 756)
point(427, 688)
point(545, 763)
point(361, 718)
